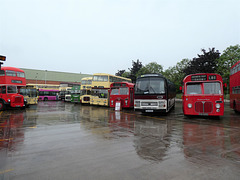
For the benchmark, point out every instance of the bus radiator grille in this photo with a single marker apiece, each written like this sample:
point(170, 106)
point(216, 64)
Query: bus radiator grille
point(203, 107)
point(18, 99)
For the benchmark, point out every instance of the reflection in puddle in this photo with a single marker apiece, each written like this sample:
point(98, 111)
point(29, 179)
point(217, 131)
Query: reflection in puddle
point(151, 142)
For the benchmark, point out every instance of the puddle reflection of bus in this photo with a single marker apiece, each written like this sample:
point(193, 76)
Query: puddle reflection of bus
point(119, 119)
point(10, 130)
point(100, 88)
point(151, 139)
point(203, 142)
point(123, 93)
point(11, 79)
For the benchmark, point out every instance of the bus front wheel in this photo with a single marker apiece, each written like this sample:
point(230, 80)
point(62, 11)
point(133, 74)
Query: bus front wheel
point(2, 106)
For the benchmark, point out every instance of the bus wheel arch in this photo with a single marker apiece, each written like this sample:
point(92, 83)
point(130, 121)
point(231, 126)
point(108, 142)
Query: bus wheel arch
point(45, 99)
point(2, 105)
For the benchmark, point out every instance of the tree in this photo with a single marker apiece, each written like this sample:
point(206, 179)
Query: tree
point(205, 63)
point(120, 72)
point(228, 58)
point(176, 74)
point(151, 68)
point(136, 66)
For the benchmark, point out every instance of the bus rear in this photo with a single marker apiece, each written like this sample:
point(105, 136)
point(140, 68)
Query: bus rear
point(203, 95)
point(122, 92)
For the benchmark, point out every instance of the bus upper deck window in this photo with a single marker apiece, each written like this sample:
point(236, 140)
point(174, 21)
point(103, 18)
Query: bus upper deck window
point(10, 73)
point(2, 73)
point(194, 89)
point(20, 74)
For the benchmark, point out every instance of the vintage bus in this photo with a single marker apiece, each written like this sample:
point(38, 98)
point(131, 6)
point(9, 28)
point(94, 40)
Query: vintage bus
point(203, 95)
point(11, 79)
point(235, 87)
point(75, 94)
point(44, 86)
point(123, 93)
point(30, 94)
point(86, 86)
point(154, 93)
point(48, 94)
point(100, 88)
point(67, 96)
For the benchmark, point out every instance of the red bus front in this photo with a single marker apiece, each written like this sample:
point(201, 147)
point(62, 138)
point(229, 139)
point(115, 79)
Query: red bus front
point(235, 87)
point(203, 95)
point(122, 92)
point(11, 79)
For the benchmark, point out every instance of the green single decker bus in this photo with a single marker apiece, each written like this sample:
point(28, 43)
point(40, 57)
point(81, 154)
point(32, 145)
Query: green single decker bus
point(75, 94)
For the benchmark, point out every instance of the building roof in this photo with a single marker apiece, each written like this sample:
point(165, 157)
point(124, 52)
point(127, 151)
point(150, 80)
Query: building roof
point(35, 74)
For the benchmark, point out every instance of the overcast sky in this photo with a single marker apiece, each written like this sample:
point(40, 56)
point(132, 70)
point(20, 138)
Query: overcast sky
point(92, 36)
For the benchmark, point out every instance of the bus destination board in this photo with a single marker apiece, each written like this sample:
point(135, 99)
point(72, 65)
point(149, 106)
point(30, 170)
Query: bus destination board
point(199, 77)
point(212, 77)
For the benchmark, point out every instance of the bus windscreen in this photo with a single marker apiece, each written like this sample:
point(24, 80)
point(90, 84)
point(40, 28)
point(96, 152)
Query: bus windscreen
point(150, 86)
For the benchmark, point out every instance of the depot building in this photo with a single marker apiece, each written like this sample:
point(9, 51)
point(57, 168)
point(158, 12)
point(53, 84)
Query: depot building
point(34, 76)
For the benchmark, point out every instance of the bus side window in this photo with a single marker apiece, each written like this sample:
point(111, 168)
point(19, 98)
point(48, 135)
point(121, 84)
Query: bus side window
point(3, 89)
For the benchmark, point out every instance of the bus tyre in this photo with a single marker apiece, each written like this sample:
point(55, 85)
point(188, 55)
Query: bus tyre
point(2, 106)
point(45, 99)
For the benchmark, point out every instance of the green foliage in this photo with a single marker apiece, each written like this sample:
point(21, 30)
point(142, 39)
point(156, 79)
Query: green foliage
point(136, 66)
point(205, 63)
point(228, 58)
point(176, 74)
point(151, 68)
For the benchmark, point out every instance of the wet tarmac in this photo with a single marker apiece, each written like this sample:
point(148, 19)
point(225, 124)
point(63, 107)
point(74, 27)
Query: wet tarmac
point(57, 140)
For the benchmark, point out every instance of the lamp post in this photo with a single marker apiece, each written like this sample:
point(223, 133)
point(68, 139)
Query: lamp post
point(45, 76)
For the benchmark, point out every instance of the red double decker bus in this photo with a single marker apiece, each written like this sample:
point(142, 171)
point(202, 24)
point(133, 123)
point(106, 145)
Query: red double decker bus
point(11, 79)
point(122, 92)
point(203, 95)
point(235, 87)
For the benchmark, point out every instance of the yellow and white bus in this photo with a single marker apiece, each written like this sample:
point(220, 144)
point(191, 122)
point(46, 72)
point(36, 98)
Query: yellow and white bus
point(100, 87)
point(86, 86)
point(30, 94)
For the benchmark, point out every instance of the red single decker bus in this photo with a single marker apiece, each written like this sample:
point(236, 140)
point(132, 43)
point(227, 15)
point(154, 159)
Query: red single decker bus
point(235, 87)
point(203, 95)
point(11, 79)
point(122, 92)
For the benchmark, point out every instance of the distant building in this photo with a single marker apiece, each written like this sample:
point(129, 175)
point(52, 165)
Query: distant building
point(34, 76)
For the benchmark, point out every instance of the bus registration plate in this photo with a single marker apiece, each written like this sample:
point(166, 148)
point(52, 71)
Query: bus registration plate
point(148, 110)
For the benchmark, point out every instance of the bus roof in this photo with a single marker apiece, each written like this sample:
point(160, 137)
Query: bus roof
point(105, 74)
point(119, 83)
point(235, 64)
point(11, 69)
point(87, 78)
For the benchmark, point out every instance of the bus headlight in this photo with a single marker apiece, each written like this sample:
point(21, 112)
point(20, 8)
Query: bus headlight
point(218, 110)
point(189, 106)
point(137, 104)
point(9, 100)
point(112, 102)
point(126, 102)
point(218, 106)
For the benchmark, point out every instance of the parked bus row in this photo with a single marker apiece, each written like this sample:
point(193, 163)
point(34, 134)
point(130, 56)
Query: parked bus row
point(202, 93)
